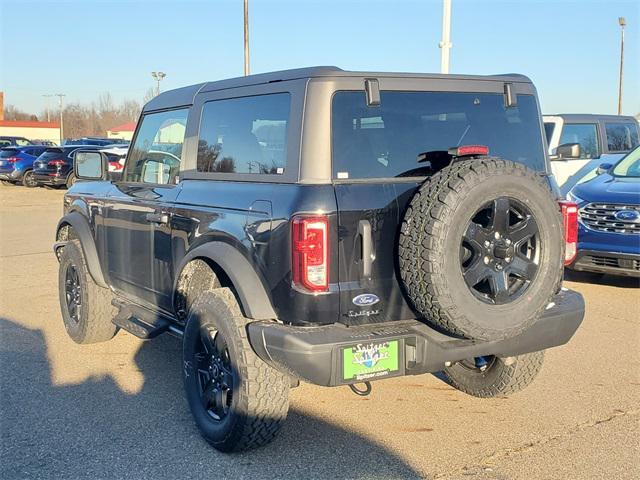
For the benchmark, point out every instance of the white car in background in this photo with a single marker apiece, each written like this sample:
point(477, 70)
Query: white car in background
point(578, 143)
point(116, 155)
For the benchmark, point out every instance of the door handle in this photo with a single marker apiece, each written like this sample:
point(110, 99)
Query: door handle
point(159, 218)
point(364, 230)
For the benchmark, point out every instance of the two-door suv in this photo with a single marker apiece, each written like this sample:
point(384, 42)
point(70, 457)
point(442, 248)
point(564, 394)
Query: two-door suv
point(327, 226)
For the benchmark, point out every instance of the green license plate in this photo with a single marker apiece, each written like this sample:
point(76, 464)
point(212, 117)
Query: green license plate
point(367, 361)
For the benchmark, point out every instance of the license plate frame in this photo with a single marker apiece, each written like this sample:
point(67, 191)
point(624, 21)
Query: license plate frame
point(367, 361)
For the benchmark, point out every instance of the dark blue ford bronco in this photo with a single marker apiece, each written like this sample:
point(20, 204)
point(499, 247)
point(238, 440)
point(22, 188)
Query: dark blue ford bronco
point(327, 226)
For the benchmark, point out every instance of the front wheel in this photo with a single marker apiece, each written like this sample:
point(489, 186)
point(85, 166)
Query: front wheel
point(6, 183)
point(493, 376)
point(238, 402)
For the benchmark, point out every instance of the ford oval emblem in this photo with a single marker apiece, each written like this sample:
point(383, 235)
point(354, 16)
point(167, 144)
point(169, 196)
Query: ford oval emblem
point(628, 215)
point(365, 299)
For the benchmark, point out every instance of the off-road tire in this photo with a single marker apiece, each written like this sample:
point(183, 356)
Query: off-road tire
point(71, 180)
point(430, 239)
point(6, 183)
point(94, 323)
point(27, 179)
point(260, 399)
point(499, 379)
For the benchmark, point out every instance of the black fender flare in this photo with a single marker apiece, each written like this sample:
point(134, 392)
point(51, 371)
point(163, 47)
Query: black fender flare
point(252, 295)
point(80, 225)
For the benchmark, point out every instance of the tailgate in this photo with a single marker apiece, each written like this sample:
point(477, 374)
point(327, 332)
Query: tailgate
point(369, 216)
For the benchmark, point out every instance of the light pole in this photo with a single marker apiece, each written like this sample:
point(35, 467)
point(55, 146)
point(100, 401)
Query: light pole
point(47, 106)
point(158, 76)
point(60, 96)
point(622, 22)
point(445, 43)
point(247, 69)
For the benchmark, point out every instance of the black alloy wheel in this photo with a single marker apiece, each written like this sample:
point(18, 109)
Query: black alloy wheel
point(215, 374)
point(500, 251)
point(73, 293)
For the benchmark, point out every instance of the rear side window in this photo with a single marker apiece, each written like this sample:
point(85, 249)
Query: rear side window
point(621, 137)
point(585, 134)
point(157, 151)
point(390, 140)
point(245, 135)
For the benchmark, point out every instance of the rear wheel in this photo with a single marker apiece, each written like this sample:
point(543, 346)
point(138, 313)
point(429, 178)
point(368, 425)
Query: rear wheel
point(71, 180)
point(481, 249)
point(28, 180)
point(493, 376)
point(238, 402)
point(86, 307)
point(6, 183)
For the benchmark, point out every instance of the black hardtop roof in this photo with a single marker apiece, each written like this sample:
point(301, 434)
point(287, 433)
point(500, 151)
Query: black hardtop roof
point(588, 117)
point(185, 95)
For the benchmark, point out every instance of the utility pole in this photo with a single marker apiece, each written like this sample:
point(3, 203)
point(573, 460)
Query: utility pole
point(60, 96)
point(158, 76)
point(445, 43)
point(47, 106)
point(247, 69)
point(622, 22)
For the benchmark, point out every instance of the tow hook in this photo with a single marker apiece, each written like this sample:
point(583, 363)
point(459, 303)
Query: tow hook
point(362, 393)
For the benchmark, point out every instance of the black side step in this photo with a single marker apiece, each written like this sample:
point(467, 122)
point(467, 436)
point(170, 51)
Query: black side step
point(141, 322)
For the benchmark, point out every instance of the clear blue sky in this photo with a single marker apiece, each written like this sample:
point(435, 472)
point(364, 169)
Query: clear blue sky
point(83, 48)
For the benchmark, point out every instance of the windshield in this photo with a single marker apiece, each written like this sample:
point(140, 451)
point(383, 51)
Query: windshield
point(629, 166)
point(409, 131)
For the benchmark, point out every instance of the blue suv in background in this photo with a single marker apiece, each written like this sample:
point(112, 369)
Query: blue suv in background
point(609, 218)
point(16, 164)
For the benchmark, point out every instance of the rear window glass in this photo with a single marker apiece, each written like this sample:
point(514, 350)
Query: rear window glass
point(621, 136)
point(388, 140)
point(6, 153)
point(51, 154)
point(548, 130)
point(245, 135)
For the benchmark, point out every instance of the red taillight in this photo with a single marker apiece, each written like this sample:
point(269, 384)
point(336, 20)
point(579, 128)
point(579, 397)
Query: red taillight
point(310, 256)
point(570, 221)
point(13, 159)
point(464, 150)
point(56, 163)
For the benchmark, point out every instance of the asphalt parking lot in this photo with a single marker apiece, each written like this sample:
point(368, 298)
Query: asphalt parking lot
point(116, 410)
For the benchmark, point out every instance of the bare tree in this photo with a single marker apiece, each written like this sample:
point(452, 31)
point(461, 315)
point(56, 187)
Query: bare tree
point(85, 120)
point(14, 114)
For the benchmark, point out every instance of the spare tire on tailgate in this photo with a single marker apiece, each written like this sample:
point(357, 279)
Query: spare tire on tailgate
point(481, 248)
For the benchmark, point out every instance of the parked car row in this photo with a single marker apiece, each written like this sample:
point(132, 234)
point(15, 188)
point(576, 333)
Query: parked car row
point(41, 165)
point(608, 202)
point(578, 143)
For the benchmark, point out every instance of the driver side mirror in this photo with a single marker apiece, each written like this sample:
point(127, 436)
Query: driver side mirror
point(567, 150)
point(603, 168)
point(90, 165)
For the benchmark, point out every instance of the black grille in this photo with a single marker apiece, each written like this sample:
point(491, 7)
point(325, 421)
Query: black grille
point(613, 262)
point(601, 217)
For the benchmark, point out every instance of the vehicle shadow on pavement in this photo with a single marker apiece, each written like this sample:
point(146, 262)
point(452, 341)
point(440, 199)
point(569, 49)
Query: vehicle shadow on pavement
point(95, 430)
point(601, 279)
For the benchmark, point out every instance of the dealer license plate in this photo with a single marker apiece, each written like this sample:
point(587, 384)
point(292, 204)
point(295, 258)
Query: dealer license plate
point(368, 361)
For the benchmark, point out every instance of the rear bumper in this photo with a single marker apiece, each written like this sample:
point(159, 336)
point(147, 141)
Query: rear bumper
point(314, 354)
point(615, 263)
point(11, 175)
point(47, 179)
